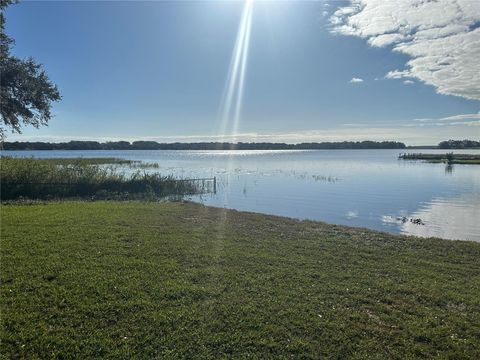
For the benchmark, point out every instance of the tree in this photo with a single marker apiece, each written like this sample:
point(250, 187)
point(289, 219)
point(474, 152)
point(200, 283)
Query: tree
point(26, 91)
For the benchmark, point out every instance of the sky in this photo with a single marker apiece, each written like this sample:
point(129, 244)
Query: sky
point(313, 70)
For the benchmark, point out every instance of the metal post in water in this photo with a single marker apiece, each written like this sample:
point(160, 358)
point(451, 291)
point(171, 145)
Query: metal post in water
point(215, 185)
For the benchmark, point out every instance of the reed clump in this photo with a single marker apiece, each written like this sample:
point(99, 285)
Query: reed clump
point(34, 178)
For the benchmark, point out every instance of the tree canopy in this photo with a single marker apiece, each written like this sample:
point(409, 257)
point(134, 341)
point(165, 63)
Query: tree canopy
point(153, 145)
point(459, 144)
point(26, 91)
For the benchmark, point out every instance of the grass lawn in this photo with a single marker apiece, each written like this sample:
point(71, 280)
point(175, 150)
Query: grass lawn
point(149, 280)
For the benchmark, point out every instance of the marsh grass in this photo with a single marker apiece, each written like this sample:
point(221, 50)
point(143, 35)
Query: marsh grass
point(448, 158)
point(98, 178)
point(132, 164)
point(89, 161)
point(143, 165)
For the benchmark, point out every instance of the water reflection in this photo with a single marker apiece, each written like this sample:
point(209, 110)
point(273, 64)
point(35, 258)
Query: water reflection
point(351, 214)
point(368, 188)
point(453, 218)
point(448, 169)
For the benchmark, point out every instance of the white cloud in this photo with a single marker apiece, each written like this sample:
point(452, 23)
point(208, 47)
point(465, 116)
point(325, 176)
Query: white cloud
point(385, 39)
point(356, 80)
point(423, 135)
point(466, 123)
point(397, 74)
point(457, 121)
point(408, 82)
point(452, 218)
point(461, 117)
point(441, 38)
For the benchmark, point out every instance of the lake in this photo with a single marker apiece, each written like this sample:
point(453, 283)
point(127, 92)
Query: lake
point(366, 188)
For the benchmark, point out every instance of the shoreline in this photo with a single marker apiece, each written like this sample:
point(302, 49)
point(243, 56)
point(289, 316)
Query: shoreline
point(184, 280)
point(300, 220)
point(30, 202)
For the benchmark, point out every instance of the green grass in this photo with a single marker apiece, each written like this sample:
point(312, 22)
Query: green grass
point(63, 178)
point(173, 280)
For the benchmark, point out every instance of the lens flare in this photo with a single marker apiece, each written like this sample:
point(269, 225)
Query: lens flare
point(231, 106)
point(232, 99)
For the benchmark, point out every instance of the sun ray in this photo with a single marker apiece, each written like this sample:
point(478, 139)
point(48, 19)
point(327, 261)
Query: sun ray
point(232, 98)
point(231, 104)
point(242, 74)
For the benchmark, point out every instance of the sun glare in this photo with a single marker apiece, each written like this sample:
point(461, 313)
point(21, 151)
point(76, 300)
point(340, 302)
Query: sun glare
point(232, 99)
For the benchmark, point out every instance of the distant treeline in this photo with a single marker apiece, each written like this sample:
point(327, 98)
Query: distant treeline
point(153, 145)
point(459, 144)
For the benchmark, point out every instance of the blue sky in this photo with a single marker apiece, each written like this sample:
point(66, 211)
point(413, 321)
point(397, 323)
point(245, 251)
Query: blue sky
point(157, 70)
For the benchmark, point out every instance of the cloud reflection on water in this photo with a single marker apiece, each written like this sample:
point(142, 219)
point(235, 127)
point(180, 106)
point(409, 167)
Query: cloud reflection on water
point(448, 218)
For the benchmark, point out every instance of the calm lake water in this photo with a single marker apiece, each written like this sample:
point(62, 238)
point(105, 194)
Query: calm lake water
point(367, 188)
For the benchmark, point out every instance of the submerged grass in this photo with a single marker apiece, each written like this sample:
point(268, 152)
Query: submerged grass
point(88, 161)
point(84, 161)
point(54, 178)
point(456, 161)
point(148, 280)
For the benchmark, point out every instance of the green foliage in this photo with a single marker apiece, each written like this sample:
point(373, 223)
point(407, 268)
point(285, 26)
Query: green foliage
point(25, 89)
point(130, 280)
point(53, 178)
point(5, 41)
point(459, 144)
